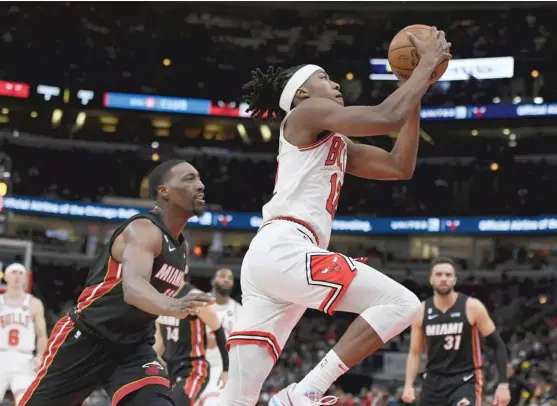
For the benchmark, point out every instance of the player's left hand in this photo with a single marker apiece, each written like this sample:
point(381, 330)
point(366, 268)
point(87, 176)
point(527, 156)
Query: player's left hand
point(502, 395)
point(223, 379)
point(37, 361)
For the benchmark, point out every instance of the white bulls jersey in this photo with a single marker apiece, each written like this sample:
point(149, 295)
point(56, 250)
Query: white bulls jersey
point(228, 315)
point(17, 330)
point(308, 183)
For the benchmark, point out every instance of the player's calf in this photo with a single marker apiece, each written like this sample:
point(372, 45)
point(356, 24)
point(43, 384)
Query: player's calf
point(249, 367)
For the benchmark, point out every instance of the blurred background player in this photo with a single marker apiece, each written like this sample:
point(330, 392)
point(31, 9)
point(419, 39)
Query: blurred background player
point(23, 334)
point(228, 311)
point(449, 326)
point(182, 345)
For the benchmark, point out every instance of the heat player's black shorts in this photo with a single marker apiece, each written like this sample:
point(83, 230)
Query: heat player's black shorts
point(76, 363)
point(190, 380)
point(451, 390)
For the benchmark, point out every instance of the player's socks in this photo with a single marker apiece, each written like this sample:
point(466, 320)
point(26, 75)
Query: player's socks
point(320, 378)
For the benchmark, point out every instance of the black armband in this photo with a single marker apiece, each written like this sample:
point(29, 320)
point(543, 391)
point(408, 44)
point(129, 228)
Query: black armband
point(495, 341)
point(220, 337)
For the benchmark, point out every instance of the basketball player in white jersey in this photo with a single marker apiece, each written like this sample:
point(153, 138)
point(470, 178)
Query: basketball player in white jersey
point(287, 267)
point(228, 310)
point(23, 334)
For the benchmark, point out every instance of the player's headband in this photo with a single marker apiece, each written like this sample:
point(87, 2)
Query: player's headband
point(15, 267)
point(294, 83)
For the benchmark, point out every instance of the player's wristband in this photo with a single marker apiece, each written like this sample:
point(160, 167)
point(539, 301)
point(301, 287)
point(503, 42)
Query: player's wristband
point(220, 338)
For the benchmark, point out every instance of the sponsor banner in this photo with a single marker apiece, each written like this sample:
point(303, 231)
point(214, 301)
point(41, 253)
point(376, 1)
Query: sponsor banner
point(490, 111)
point(58, 96)
point(459, 69)
point(252, 221)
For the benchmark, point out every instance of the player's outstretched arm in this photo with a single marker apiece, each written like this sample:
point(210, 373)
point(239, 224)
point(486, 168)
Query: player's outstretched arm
point(479, 317)
point(414, 358)
point(37, 313)
point(136, 248)
point(319, 114)
point(369, 162)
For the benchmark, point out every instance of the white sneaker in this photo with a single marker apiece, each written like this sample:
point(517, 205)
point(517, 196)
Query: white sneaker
point(287, 397)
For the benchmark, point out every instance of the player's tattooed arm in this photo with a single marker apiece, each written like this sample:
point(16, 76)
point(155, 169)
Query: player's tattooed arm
point(136, 248)
point(37, 312)
point(369, 162)
point(414, 358)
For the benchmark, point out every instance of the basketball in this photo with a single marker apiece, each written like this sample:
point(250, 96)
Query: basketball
point(403, 57)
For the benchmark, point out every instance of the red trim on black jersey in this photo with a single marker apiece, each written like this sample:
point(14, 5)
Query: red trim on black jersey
point(197, 329)
point(196, 380)
point(112, 278)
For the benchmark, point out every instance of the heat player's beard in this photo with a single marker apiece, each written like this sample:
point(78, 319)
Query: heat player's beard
point(443, 292)
point(222, 291)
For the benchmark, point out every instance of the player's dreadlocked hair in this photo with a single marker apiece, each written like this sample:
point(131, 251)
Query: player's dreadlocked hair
point(159, 175)
point(262, 92)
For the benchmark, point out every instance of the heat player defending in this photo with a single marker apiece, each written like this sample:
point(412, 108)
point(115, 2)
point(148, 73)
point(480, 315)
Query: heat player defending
point(450, 326)
point(22, 334)
point(107, 339)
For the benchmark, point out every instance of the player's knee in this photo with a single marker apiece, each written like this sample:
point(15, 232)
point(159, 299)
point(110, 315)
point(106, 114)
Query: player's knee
point(394, 316)
point(412, 304)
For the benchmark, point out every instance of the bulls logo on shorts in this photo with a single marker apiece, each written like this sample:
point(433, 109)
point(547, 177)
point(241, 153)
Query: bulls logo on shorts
point(153, 368)
point(463, 402)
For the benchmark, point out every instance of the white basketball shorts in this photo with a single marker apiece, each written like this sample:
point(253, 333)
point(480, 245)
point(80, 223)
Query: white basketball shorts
point(284, 272)
point(16, 372)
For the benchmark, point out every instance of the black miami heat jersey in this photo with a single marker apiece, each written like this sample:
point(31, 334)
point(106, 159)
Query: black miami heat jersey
point(453, 345)
point(101, 306)
point(185, 340)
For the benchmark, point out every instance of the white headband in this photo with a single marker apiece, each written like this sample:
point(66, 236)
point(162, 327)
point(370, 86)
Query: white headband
point(14, 268)
point(294, 83)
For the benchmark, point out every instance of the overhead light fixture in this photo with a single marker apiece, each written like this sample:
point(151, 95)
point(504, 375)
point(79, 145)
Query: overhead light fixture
point(265, 132)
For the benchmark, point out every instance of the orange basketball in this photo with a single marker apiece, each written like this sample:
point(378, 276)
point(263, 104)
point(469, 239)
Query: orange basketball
point(403, 56)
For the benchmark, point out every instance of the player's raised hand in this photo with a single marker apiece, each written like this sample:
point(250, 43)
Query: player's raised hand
point(409, 394)
point(502, 395)
point(191, 303)
point(433, 49)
